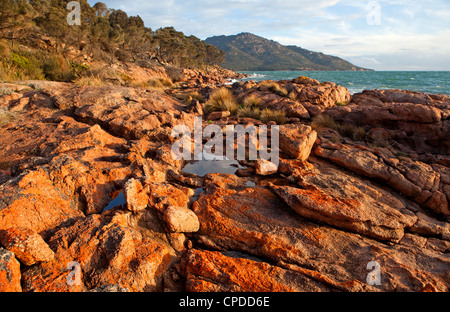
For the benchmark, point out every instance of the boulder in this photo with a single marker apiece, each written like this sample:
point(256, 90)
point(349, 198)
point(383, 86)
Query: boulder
point(108, 252)
point(254, 221)
point(28, 246)
point(135, 196)
point(9, 272)
point(306, 81)
point(414, 179)
point(265, 167)
point(209, 271)
point(218, 115)
point(181, 220)
point(297, 140)
point(421, 118)
point(33, 202)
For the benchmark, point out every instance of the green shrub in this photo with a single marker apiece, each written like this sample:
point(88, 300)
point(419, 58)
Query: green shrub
point(78, 69)
point(26, 68)
point(56, 68)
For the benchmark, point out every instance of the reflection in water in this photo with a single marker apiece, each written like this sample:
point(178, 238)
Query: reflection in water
point(118, 201)
point(206, 165)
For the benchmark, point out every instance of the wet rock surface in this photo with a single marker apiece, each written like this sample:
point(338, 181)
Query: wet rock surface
point(313, 222)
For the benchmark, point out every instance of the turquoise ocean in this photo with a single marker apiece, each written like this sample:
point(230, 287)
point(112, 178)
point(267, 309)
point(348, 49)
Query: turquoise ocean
point(434, 82)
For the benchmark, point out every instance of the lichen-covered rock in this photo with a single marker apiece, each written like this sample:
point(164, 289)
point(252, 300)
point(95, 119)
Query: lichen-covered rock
point(208, 271)
point(414, 179)
point(254, 221)
point(181, 220)
point(108, 253)
point(297, 141)
point(9, 272)
point(28, 246)
point(265, 167)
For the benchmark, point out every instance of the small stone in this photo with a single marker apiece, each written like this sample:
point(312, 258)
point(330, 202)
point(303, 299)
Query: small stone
point(181, 220)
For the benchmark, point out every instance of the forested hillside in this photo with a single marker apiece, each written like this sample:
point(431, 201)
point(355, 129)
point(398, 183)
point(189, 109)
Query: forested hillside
point(37, 42)
point(248, 52)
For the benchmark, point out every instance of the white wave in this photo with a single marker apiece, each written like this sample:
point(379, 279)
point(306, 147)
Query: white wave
point(255, 75)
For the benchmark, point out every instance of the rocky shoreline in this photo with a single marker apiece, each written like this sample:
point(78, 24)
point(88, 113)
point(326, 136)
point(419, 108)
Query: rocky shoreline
point(361, 179)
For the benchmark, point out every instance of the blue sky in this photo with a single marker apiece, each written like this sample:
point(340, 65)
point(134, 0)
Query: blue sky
point(383, 35)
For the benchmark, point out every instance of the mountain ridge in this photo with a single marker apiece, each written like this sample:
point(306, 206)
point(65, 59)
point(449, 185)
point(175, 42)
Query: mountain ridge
point(249, 52)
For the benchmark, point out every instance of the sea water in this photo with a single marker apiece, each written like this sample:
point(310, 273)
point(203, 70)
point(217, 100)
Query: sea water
point(434, 82)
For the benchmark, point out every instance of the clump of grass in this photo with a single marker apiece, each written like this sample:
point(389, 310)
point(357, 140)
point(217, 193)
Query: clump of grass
point(5, 91)
point(273, 115)
point(250, 112)
point(352, 131)
point(251, 101)
point(276, 88)
point(6, 116)
point(401, 154)
point(346, 130)
point(341, 104)
point(292, 96)
point(189, 97)
point(159, 83)
point(221, 100)
point(89, 81)
point(324, 121)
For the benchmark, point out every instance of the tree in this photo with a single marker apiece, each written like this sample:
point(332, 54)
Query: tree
point(101, 10)
point(15, 17)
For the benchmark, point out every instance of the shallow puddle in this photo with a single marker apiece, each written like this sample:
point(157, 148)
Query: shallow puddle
point(204, 167)
point(116, 202)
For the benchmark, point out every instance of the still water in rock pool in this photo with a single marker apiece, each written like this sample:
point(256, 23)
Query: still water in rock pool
point(206, 166)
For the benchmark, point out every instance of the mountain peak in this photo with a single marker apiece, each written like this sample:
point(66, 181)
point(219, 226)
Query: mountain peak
point(249, 52)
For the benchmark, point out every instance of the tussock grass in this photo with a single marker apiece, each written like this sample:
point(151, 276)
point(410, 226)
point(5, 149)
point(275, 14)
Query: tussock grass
point(6, 116)
point(189, 97)
point(221, 100)
point(252, 101)
point(249, 112)
point(276, 88)
point(160, 83)
point(273, 115)
point(89, 81)
point(346, 130)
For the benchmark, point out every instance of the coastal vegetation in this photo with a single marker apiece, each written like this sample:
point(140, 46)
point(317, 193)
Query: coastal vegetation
point(36, 42)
